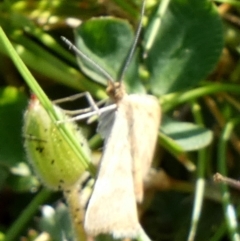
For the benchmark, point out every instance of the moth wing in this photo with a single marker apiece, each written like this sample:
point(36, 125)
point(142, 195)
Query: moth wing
point(146, 120)
point(112, 206)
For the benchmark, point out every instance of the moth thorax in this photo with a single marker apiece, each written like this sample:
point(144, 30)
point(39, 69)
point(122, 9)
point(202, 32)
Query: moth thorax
point(115, 90)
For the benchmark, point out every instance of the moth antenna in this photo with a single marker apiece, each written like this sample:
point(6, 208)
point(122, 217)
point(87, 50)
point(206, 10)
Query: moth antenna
point(85, 57)
point(133, 47)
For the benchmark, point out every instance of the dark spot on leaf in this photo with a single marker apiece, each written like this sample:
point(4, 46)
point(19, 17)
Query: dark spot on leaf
point(39, 149)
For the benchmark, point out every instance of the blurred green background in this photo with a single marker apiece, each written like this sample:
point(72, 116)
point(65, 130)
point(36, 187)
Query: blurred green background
point(187, 56)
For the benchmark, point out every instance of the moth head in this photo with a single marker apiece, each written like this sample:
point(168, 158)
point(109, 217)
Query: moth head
point(115, 90)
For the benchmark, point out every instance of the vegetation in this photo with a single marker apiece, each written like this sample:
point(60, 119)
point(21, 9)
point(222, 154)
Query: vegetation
point(181, 58)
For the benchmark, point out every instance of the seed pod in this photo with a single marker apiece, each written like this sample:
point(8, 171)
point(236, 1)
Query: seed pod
point(52, 158)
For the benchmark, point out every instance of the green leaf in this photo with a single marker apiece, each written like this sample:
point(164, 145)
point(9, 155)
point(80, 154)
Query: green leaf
point(189, 136)
point(109, 48)
point(187, 46)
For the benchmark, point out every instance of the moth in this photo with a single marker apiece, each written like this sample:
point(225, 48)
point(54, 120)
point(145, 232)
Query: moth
point(130, 131)
point(128, 152)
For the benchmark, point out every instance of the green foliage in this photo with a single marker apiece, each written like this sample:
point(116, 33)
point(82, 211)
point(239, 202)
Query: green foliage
point(181, 50)
point(180, 45)
point(186, 47)
point(56, 219)
point(189, 136)
point(12, 102)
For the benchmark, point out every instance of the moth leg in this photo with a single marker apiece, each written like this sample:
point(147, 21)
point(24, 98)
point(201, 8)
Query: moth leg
point(85, 113)
point(93, 105)
point(84, 110)
point(89, 114)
